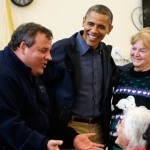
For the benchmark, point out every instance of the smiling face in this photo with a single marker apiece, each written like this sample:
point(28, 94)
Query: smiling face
point(96, 26)
point(140, 56)
point(37, 56)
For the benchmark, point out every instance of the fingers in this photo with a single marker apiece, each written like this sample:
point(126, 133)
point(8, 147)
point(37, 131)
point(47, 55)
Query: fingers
point(96, 148)
point(98, 145)
point(56, 142)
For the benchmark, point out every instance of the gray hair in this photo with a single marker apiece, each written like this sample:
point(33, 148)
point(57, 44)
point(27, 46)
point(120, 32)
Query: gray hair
point(27, 32)
point(136, 121)
point(101, 9)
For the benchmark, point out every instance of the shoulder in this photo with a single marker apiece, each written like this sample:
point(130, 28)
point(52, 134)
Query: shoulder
point(106, 49)
point(8, 72)
point(3, 53)
point(61, 47)
point(65, 42)
point(126, 67)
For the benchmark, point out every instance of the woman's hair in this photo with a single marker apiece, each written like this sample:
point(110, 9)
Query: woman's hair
point(143, 35)
point(101, 9)
point(136, 122)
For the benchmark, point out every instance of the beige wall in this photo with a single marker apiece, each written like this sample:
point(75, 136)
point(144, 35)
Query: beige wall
point(64, 17)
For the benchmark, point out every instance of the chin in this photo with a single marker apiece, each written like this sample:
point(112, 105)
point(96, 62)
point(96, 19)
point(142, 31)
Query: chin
point(40, 73)
point(91, 44)
point(116, 141)
point(136, 65)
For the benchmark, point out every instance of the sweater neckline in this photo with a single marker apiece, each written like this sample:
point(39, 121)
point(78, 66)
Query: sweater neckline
point(139, 74)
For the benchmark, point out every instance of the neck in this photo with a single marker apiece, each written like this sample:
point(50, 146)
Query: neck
point(141, 69)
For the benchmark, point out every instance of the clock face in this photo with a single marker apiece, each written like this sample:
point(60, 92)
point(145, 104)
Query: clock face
point(22, 2)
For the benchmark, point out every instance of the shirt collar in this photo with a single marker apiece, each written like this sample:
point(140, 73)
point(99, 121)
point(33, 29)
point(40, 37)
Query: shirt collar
point(82, 47)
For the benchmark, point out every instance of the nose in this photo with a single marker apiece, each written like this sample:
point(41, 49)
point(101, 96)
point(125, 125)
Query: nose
point(48, 56)
point(94, 29)
point(136, 52)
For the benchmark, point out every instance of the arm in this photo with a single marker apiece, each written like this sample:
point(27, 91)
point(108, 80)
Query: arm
point(58, 80)
point(80, 142)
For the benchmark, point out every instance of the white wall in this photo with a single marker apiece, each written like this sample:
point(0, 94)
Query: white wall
point(64, 17)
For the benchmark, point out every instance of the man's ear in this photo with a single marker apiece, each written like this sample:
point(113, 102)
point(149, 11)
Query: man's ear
point(22, 47)
point(110, 28)
point(84, 18)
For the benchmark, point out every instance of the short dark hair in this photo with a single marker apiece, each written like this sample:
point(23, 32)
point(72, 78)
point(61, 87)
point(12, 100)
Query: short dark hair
point(27, 32)
point(101, 9)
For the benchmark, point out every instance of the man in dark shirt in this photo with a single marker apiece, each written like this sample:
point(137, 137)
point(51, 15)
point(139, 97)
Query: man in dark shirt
point(84, 73)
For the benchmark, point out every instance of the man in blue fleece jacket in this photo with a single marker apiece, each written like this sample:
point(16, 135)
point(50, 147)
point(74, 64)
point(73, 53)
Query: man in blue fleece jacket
point(26, 114)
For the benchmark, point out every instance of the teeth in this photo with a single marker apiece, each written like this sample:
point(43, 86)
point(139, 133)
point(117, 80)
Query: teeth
point(44, 65)
point(92, 37)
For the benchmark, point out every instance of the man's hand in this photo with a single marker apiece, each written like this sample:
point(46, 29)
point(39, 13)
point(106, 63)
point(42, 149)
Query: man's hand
point(83, 142)
point(54, 144)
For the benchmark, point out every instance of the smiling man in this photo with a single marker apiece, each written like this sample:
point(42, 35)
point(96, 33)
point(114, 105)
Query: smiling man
point(84, 69)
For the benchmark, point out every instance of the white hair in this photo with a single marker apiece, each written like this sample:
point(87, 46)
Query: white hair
point(136, 121)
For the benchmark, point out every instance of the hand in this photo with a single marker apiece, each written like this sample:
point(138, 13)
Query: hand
point(83, 142)
point(54, 144)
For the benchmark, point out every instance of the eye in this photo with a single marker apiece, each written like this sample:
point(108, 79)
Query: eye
point(133, 48)
point(142, 50)
point(120, 123)
point(43, 50)
point(90, 23)
point(102, 27)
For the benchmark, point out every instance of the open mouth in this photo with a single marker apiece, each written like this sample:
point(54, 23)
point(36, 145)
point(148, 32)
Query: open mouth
point(92, 37)
point(44, 65)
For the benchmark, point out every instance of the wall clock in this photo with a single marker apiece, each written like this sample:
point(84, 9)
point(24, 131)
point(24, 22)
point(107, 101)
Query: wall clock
point(22, 2)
